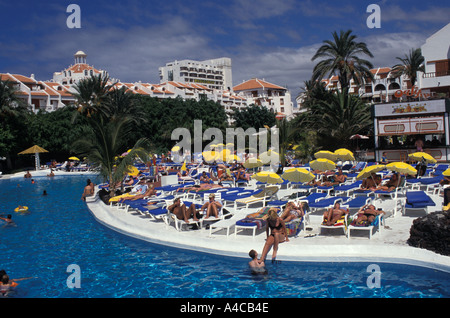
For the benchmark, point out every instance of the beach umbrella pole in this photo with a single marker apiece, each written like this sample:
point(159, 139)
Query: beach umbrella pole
point(37, 161)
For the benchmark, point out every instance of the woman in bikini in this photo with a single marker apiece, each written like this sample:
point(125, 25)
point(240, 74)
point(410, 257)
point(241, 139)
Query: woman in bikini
point(278, 234)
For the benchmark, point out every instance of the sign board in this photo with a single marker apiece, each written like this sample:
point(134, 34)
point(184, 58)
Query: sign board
point(417, 108)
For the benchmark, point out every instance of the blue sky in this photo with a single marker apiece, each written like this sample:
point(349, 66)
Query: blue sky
point(270, 39)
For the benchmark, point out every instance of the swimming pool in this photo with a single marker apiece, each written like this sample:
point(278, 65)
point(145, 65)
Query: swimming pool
point(60, 231)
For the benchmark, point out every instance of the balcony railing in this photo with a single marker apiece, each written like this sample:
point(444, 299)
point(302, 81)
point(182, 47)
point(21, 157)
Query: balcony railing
point(436, 74)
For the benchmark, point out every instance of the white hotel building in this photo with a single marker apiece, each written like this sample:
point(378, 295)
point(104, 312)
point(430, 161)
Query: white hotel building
point(186, 79)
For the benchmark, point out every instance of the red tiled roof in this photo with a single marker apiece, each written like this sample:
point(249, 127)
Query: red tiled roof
point(24, 79)
point(80, 68)
point(255, 83)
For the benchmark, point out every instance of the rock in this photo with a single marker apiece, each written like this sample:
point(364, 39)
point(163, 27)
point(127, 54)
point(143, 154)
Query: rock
point(432, 232)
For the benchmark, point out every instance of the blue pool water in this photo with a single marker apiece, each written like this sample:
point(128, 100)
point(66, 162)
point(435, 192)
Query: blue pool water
point(60, 231)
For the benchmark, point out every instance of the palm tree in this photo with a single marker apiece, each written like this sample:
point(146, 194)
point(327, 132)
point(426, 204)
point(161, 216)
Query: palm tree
point(339, 118)
point(91, 94)
point(102, 144)
point(341, 57)
point(10, 104)
point(411, 64)
point(120, 102)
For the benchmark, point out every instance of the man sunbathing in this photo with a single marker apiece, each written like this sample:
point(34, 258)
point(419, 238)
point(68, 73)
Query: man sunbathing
point(367, 214)
point(181, 212)
point(391, 184)
point(332, 215)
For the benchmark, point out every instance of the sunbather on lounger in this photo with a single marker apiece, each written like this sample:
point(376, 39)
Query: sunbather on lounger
point(371, 182)
point(181, 212)
point(200, 187)
point(333, 214)
point(367, 214)
point(292, 212)
point(211, 208)
point(391, 184)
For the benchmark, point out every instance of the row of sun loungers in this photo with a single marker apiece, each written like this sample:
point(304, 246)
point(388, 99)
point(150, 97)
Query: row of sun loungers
point(244, 208)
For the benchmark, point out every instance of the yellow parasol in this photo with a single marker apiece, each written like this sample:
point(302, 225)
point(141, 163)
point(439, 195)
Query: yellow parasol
point(175, 148)
point(367, 172)
point(402, 167)
point(418, 156)
point(267, 177)
point(325, 154)
point(298, 175)
point(344, 154)
point(446, 173)
point(269, 156)
point(74, 158)
point(252, 163)
point(35, 150)
point(133, 171)
point(210, 156)
point(322, 164)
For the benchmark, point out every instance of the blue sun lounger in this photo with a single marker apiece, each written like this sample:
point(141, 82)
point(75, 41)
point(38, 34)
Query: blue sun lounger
point(326, 202)
point(418, 200)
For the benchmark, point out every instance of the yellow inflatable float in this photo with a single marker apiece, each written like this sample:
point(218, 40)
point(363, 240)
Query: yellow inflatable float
point(21, 209)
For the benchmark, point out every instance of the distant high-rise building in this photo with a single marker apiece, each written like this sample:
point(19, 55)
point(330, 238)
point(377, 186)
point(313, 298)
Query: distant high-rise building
point(214, 74)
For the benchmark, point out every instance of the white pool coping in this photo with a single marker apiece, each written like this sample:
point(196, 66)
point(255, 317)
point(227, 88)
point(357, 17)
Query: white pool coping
point(387, 246)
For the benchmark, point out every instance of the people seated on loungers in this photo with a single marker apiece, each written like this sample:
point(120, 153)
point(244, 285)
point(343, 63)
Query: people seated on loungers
point(332, 215)
point(183, 173)
point(181, 212)
point(366, 215)
point(339, 177)
point(210, 208)
point(225, 177)
point(130, 181)
point(292, 212)
point(241, 175)
point(445, 180)
point(391, 184)
point(278, 234)
point(148, 193)
point(199, 187)
point(204, 178)
point(321, 182)
point(371, 182)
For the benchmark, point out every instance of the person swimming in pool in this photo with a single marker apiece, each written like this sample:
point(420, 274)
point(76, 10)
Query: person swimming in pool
point(8, 220)
point(256, 266)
